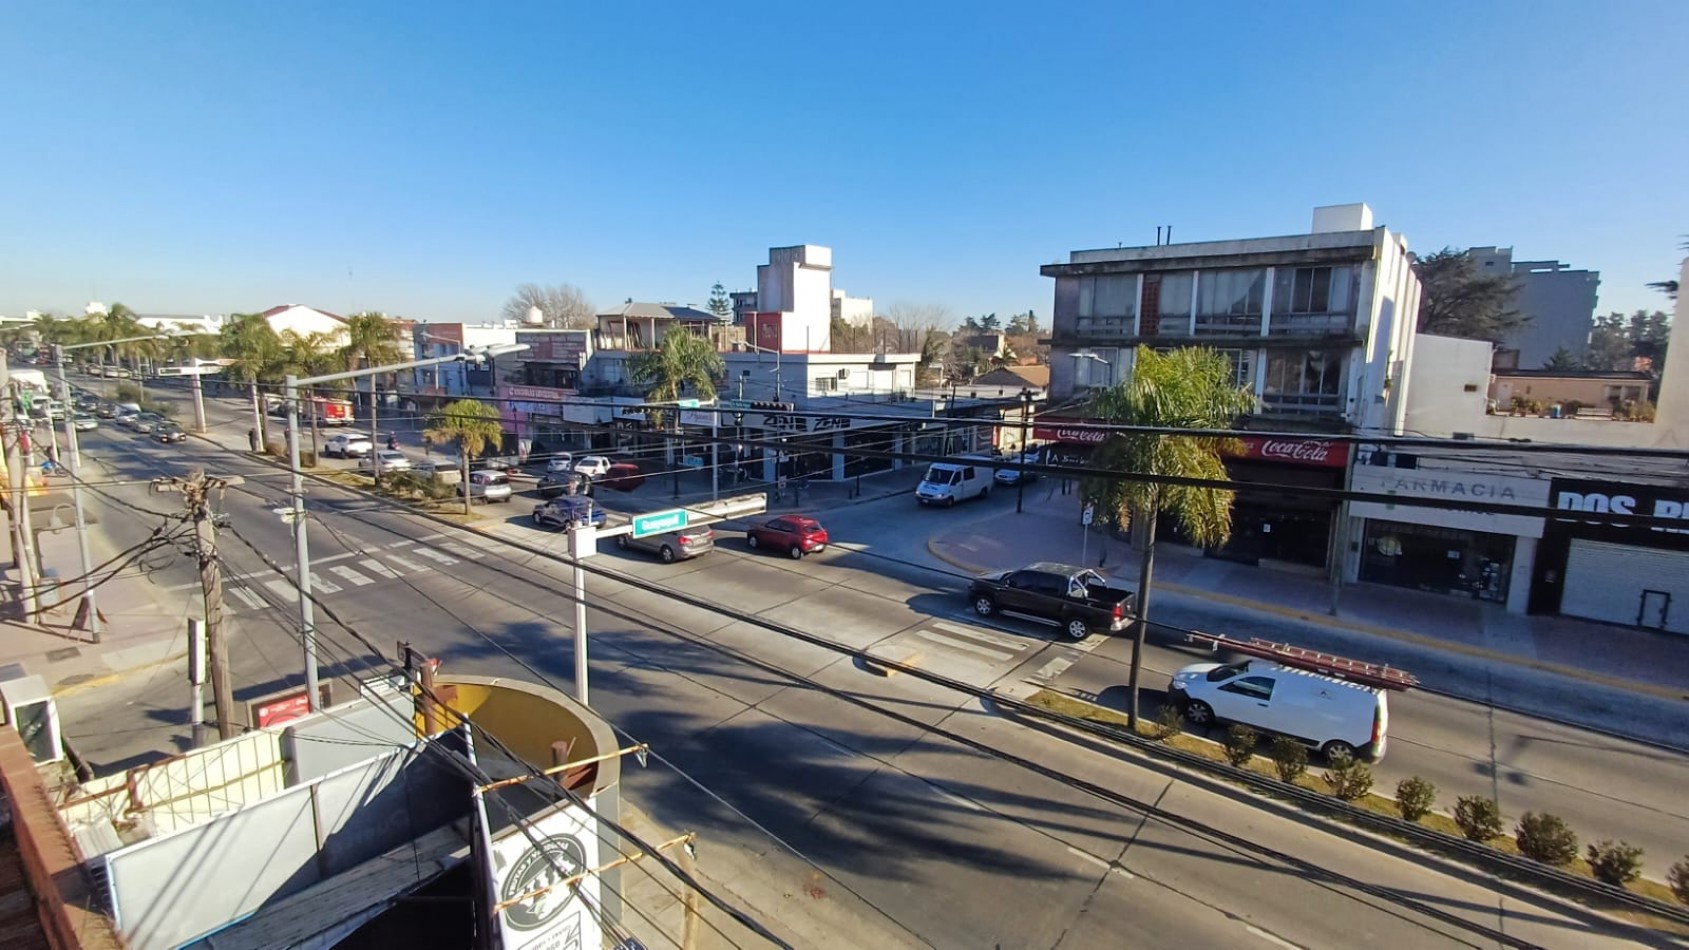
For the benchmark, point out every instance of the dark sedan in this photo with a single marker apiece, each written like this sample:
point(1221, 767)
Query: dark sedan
point(792, 535)
point(168, 432)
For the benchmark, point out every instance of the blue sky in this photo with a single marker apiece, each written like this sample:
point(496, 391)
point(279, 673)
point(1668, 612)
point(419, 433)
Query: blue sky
point(425, 158)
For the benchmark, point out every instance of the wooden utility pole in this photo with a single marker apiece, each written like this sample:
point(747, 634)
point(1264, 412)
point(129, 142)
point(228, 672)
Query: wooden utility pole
point(196, 490)
point(14, 433)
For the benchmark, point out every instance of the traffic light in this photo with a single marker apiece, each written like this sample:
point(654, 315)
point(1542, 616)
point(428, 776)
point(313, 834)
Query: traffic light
point(772, 406)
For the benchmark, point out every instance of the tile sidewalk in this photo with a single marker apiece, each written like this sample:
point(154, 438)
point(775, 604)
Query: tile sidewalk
point(1050, 530)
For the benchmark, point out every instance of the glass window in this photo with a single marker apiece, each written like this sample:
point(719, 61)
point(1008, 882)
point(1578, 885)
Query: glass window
point(1243, 367)
point(1234, 293)
point(1304, 372)
point(1176, 296)
point(1108, 296)
point(1313, 290)
point(1257, 687)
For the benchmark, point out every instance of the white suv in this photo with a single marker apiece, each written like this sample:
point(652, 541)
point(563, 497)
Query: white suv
point(592, 466)
point(348, 446)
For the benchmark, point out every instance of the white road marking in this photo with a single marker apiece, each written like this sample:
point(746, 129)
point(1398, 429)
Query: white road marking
point(334, 557)
point(949, 644)
point(281, 586)
point(358, 580)
point(400, 544)
point(1087, 856)
point(434, 555)
point(1053, 669)
point(407, 563)
point(246, 597)
point(320, 586)
point(376, 567)
point(434, 537)
point(463, 550)
point(1270, 938)
point(191, 585)
point(965, 803)
point(980, 636)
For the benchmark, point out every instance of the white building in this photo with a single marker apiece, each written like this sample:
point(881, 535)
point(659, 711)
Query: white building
point(303, 321)
point(853, 311)
point(434, 340)
point(794, 300)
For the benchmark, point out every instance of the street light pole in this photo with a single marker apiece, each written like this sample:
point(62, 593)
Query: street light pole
point(88, 601)
point(1025, 417)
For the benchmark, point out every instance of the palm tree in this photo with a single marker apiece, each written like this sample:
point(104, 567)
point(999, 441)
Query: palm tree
point(1188, 388)
point(260, 357)
point(371, 340)
point(471, 425)
point(310, 355)
point(682, 362)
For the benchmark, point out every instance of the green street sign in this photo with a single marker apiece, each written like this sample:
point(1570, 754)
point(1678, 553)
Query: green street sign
point(659, 522)
point(686, 403)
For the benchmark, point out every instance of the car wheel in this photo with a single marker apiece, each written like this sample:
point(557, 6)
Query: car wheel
point(985, 492)
point(984, 605)
point(750, 540)
point(1076, 629)
point(950, 502)
point(1337, 748)
point(1199, 712)
point(621, 541)
point(796, 553)
point(667, 554)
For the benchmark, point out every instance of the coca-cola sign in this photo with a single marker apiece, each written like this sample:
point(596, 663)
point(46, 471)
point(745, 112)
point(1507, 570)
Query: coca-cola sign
point(1065, 430)
point(1321, 452)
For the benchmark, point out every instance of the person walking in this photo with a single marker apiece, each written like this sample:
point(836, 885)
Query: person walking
point(252, 437)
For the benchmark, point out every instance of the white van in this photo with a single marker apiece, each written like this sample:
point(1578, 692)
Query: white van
point(1330, 714)
point(946, 483)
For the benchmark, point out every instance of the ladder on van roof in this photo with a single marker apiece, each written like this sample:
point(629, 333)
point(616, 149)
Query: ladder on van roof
point(1378, 676)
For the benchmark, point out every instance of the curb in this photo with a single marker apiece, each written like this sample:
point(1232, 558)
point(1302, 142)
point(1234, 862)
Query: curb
point(1388, 633)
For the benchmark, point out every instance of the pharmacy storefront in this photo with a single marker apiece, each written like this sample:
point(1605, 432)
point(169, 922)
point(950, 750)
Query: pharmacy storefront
point(1446, 549)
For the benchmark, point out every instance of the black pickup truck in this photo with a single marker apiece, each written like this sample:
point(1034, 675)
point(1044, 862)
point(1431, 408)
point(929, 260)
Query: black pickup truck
point(1076, 599)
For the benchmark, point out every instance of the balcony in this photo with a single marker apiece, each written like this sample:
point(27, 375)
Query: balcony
point(1226, 324)
point(1302, 404)
point(1104, 328)
point(1312, 324)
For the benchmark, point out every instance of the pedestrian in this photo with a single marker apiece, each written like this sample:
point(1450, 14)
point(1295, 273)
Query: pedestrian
point(252, 437)
point(393, 441)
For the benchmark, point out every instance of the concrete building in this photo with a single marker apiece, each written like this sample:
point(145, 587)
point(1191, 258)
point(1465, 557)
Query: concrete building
point(1319, 326)
point(854, 311)
point(1559, 300)
point(454, 380)
point(1448, 386)
point(794, 300)
point(744, 304)
point(1589, 393)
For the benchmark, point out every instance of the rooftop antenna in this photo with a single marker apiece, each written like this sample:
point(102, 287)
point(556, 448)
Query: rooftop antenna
point(1169, 234)
point(1158, 235)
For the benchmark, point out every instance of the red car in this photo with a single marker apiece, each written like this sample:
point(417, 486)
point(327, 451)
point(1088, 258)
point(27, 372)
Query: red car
point(622, 476)
point(795, 535)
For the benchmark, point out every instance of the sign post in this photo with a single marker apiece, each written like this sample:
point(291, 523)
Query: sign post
point(1085, 520)
point(659, 522)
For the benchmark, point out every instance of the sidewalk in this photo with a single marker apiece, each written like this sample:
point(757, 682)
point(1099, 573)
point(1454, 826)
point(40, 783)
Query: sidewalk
point(1617, 656)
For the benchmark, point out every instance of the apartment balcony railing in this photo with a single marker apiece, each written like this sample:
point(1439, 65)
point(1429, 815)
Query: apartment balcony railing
point(1104, 327)
point(1302, 404)
point(1227, 324)
point(1311, 324)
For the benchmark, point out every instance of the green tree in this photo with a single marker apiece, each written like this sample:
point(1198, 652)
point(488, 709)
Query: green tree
point(1455, 300)
point(1187, 388)
point(1564, 360)
point(682, 363)
point(371, 340)
point(1609, 343)
point(260, 357)
point(472, 426)
point(720, 304)
point(1648, 334)
point(989, 323)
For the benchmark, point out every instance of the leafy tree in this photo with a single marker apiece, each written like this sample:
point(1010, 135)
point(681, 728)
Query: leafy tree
point(682, 362)
point(1455, 300)
point(1023, 323)
point(720, 304)
point(472, 426)
point(1609, 343)
point(1563, 359)
point(563, 305)
point(260, 357)
point(371, 340)
point(1616, 342)
point(847, 338)
point(971, 323)
point(1648, 334)
point(989, 323)
point(1188, 388)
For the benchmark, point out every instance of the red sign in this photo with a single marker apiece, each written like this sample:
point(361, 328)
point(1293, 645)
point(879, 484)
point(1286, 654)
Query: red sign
point(1067, 430)
point(278, 711)
point(765, 330)
point(1321, 452)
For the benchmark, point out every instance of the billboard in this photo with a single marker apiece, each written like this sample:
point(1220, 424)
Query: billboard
point(529, 868)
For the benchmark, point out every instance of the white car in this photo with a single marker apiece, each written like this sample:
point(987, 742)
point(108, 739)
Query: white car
point(348, 446)
point(592, 466)
point(388, 459)
point(561, 462)
point(85, 422)
point(1332, 715)
point(487, 486)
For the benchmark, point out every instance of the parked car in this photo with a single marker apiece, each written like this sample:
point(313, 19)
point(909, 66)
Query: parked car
point(389, 460)
point(1076, 599)
point(567, 511)
point(554, 483)
point(1334, 716)
point(167, 431)
point(144, 422)
point(592, 466)
point(348, 445)
point(1012, 475)
point(85, 422)
point(487, 486)
point(622, 476)
point(560, 462)
point(947, 483)
point(674, 546)
point(793, 535)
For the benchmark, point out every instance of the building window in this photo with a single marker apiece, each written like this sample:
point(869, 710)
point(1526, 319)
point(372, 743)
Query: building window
point(1175, 308)
point(1100, 372)
point(1243, 367)
point(1303, 379)
point(1107, 304)
point(1229, 301)
point(1314, 290)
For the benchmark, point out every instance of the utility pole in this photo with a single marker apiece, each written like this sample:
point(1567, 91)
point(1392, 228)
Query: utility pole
point(17, 491)
point(196, 490)
point(90, 607)
point(1025, 418)
point(199, 398)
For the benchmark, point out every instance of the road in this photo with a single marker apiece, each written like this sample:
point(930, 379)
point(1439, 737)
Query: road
point(880, 782)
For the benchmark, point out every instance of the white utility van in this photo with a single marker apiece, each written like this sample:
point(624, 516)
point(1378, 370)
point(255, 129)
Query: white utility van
point(946, 483)
point(1330, 714)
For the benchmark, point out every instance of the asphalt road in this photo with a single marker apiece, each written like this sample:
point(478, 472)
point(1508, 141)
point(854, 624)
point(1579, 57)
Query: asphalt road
point(956, 847)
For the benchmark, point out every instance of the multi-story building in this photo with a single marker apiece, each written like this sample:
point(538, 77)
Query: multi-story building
point(1318, 326)
point(853, 311)
point(1559, 301)
point(454, 380)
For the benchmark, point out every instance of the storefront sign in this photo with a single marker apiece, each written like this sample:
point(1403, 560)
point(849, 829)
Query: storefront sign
point(1322, 452)
point(1445, 485)
point(559, 346)
point(1605, 503)
point(585, 414)
point(699, 417)
point(1049, 429)
point(812, 425)
point(530, 864)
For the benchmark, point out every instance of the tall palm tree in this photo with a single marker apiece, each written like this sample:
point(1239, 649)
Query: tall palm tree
point(683, 362)
point(310, 354)
point(371, 340)
point(471, 425)
point(1188, 388)
point(260, 357)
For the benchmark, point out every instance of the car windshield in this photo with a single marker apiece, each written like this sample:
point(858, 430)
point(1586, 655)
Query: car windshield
point(1227, 671)
point(942, 476)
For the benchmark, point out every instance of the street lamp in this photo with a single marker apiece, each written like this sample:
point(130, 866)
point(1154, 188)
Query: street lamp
point(1025, 418)
point(290, 395)
point(1088, 355)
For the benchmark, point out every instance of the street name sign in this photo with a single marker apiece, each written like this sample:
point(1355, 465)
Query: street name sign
point(659, 522)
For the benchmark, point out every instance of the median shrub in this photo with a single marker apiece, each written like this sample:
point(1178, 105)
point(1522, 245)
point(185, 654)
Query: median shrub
point(1615, 864)
point(1546, 838)
point(1414, 797)
point(1349, 778)
point(1169, 722)
point(1240, 745)
point(1678, 879)
point(1479, 818)
point(1290, 758)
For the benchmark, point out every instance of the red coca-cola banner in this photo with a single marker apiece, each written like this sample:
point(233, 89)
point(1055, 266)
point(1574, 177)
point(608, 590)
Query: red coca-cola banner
point(1321, 452)
point(1065, 430)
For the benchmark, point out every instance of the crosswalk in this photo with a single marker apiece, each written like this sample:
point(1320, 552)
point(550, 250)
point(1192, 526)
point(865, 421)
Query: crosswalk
point(984, 653)
point(363, 566)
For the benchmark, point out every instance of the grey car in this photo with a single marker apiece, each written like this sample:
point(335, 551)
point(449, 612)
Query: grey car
point(674, 546)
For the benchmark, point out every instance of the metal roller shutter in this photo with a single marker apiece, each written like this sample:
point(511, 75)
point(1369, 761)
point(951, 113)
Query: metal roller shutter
point(1607, 582)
